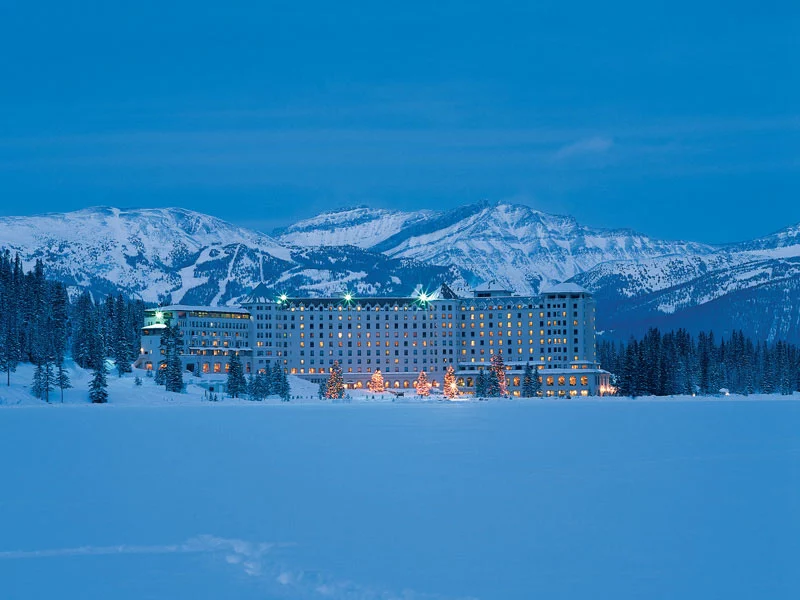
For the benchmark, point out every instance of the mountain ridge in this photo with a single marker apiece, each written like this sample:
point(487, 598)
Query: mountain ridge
point(180, 255)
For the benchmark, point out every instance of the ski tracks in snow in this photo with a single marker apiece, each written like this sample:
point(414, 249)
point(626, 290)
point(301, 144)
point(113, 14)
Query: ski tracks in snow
point(258, 560)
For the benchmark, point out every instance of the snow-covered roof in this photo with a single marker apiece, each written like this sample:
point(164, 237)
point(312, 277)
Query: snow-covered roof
point(156, 326)
point(566, 288)
point(191, 308)
point(491, 286)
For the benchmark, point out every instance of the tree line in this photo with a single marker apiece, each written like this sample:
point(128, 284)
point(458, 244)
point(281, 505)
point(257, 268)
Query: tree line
point(675, 362)
point(41, 325)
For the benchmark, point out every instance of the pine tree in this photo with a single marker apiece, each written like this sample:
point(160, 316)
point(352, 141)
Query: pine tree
point(171, 343)
point(43, 381)
point(334, 390)
point(284, 389)
point(160, 378)
point(84, 332)
point(423, 385)
point(376, 384)
point(137, 381)
point(481, 384)
point(493, 389)
point(237, 385)
point(62, 380)
point(98, 388)
point(48, 379)
point(450, 387)
point(37, 386)
point(9, 325)
point(122, 351)
point(531, 385)
point(173, 374)
point(323, 388)
point(262, 385)
point(499, 370)
point(275, 378)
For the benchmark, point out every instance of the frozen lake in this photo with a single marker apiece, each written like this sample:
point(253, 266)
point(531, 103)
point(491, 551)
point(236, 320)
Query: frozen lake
point(618, 500)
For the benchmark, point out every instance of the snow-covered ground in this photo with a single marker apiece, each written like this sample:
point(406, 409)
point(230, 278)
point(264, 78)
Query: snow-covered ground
point(415, 501)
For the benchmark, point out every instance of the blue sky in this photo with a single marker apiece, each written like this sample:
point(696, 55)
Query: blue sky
point(679, 119)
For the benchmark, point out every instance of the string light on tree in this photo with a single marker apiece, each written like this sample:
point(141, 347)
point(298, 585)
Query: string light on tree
point(499, 369)
point(334, 389)
point(423, 385)
point(376, 384)
point(450, 385)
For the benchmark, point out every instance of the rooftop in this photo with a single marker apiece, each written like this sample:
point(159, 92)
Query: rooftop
point(491, 286)
point(566, 288)
point(192, 308)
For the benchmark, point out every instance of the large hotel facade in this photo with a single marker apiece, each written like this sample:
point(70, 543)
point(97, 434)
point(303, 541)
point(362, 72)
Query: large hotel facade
point(554, 332)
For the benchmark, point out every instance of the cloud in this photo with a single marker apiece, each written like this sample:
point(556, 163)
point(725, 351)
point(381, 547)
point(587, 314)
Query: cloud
point(584, 147)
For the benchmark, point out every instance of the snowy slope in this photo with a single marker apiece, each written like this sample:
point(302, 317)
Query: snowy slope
point(763, 274)
point(522, 247)
point(481, 501)
point(149, 252)
point(362, 226)
point(177, 255)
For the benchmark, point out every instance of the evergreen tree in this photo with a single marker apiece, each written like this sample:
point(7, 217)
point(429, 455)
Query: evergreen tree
point(172, 343)
point(160, 378)
point(423, 385)
point(450, 387)
point(98, 388)
point(262, 384)
point(323, 388)
point(531, 386)
point(237, 385)
point(84, 335)
point(43, 381)
point(48, 379)
point(376, 384)
point(493, 389)
point(63, 382)
point(334, 389)
point(275, 378)
point(481, 384)
point(498, 368)
point(259, 387)
point(37, 386)
point(10, 298)
point(121, 347)
point(284, 389)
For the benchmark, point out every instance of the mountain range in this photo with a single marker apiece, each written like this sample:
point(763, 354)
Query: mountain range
point(178, 255)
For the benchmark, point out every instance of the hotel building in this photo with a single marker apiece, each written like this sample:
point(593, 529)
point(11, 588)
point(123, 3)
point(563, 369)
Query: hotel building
point(554, 332)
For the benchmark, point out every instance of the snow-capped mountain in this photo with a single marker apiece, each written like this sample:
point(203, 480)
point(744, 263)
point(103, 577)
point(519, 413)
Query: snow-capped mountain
point(361, 226)
point(513, 244)
point(182, 256)
point(523, 248)
point(754, 286)
point(179, 255)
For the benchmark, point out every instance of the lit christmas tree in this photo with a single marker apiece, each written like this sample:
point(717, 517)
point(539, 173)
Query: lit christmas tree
point(450, 386)
point(423, 385)
point(335, 387)
point(376, 384)
point(499, 370)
